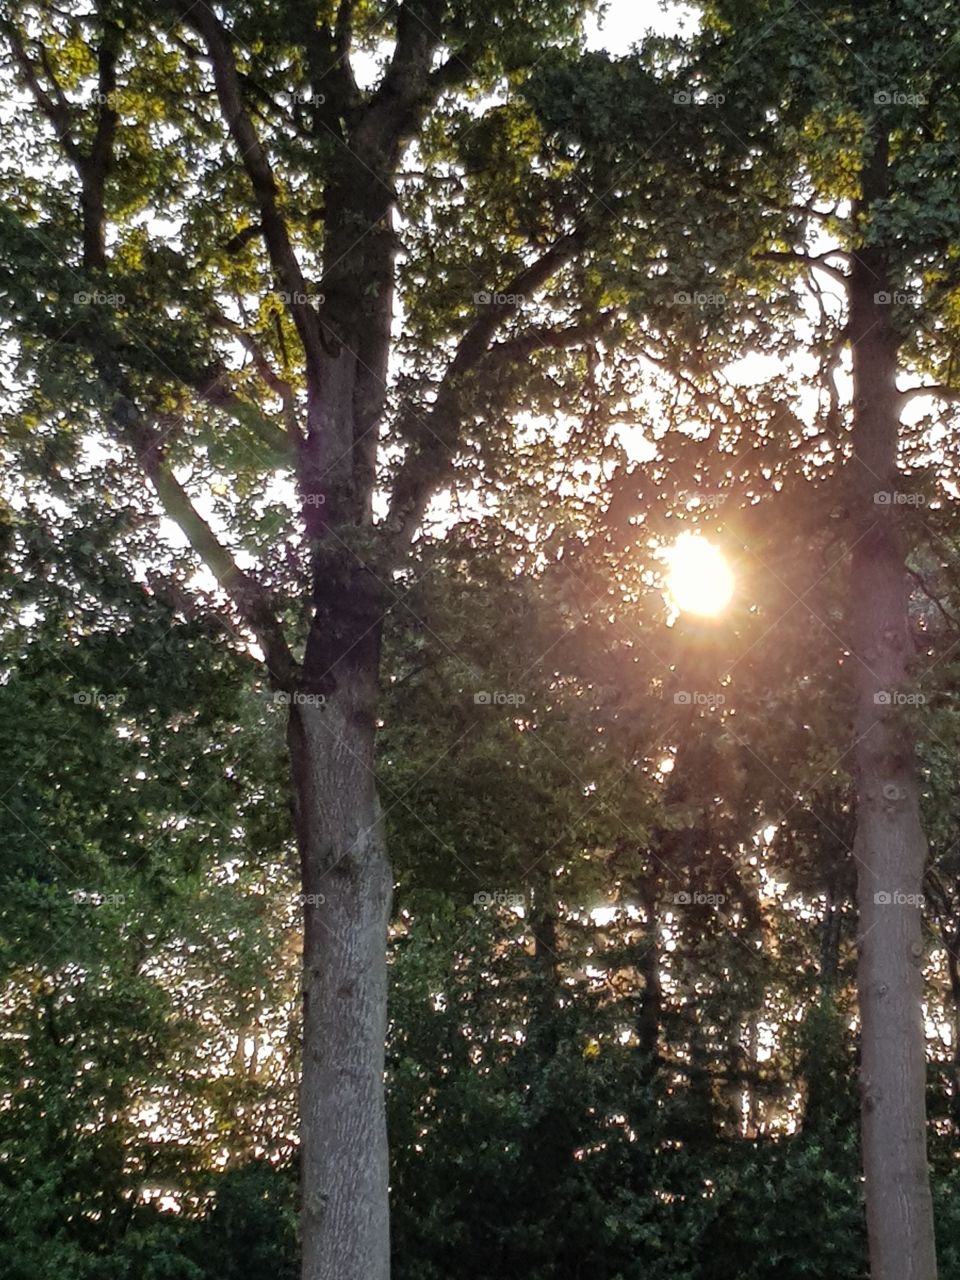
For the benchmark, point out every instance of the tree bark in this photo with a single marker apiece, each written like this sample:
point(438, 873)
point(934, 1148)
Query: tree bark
point(347, 888)
point(951, 945)
point(822, 1055)
point(648, 965)
point(889, 845)
point(344, 330)
point(830, 942)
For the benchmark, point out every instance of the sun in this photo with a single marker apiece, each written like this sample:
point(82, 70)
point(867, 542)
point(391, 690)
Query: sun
point(699, 580)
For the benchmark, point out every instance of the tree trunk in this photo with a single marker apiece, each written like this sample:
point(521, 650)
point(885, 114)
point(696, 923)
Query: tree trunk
point(830, 942)
point(889, 845)
point(648, 966)
point(823, 1063)
point(346, 878)
point(347, 890)
point(951, 944)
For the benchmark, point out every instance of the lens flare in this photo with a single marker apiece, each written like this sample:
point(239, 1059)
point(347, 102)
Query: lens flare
point(698, 579)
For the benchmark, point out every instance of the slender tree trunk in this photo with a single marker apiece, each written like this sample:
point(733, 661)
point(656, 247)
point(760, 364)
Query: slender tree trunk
point(648, 966)
point(889, 845)
point(347, 889)
point(830, 942)
point(822, 1060)
point(951, 943)
point(546, 988)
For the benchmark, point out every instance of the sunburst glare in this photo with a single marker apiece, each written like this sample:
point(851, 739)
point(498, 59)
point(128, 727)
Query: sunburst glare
point(698, 578)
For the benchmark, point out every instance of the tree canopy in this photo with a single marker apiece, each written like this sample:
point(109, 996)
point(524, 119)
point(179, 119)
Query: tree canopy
point(374, 765)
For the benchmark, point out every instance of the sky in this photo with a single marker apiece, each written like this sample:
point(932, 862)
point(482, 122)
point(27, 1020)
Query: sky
point(627, 21)
point(623, 24)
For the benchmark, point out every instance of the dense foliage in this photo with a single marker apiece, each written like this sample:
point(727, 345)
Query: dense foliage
point(623, 1036)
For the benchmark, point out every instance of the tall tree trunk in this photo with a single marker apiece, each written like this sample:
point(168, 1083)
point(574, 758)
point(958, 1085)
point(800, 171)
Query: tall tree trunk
point(650, 1015)
point(830, 942)
point(889, 845)
point(346, 878)
point(951, 944)
point(347, 890)
point(823, 1060)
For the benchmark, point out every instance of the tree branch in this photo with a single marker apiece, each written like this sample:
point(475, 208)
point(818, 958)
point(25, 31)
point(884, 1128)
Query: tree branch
point(950, 394)
point(543, 339)
point(56, 109)
point(335, 89)
point(426, 464)
point(809, 260)
point(92, 168)
point(405, 88)
point(279, 386)
point(248, 596)
point(343, 27)
point(257, 166)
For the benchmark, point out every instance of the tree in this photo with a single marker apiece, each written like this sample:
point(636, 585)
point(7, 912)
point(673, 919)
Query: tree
point(202, 251)
point(142, 912)
point(531, 1131)
point(209, 223)
point(852, 116)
